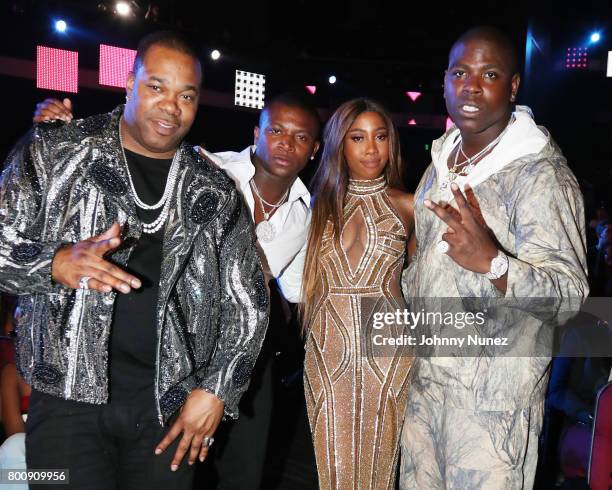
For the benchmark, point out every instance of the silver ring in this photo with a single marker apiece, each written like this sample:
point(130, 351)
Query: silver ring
point(84, 282)
point(442, 246)
point(208, 441)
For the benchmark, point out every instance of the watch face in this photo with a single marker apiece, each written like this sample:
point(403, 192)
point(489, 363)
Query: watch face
point(499, 266)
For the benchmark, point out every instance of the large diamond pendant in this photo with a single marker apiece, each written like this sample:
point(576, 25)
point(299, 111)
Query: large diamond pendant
point(265, 231)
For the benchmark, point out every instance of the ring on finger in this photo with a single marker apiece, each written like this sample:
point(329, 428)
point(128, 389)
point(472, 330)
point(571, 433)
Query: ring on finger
point(442, 246)
point(84, 282)
point(208, 441)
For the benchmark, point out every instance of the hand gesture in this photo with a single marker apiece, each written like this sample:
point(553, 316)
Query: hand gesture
point(52, 110)
point(85, 259)
point(199, 418)
point(470, 242)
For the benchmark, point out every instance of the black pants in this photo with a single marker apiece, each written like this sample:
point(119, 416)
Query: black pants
point(241, 452)
point(103, 446)
point(238, 459)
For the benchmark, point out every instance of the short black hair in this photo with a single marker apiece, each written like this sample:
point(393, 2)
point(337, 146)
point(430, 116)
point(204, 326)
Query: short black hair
point(168, 39)
point(292, 99)
point(493, 34)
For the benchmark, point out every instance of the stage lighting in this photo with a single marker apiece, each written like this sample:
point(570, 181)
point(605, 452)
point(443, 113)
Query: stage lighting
point(412, 122)
point(332, 79)
point(250, 89)
point(595, 37)
point(115, 65)
point(61, 26)
point(123, 9)
point(57, 69)
point(312, 89)
point(413, 95)
point(609, 70)
point(576, 58)
point(215, 54)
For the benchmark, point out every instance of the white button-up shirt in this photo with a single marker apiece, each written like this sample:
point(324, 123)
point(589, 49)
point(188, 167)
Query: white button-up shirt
point(286, 251)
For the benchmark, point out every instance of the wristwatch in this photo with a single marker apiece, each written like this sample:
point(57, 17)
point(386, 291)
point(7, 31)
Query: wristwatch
point(499, 266)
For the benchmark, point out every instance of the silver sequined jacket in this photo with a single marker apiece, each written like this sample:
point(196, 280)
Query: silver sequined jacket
point(65, 183)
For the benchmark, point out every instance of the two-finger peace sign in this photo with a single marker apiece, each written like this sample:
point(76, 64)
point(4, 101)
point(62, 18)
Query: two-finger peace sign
point(469, 243)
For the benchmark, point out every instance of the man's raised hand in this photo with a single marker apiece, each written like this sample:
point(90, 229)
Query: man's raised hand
point(53, 109)
point(470, 243)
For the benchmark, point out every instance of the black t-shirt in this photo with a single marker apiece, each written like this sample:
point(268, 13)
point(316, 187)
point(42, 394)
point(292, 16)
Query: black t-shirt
point(134, 328)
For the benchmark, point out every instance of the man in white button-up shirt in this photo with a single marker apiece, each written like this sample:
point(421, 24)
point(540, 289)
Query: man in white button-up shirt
point(291, 219)
point(284, 252)
point(267, 175)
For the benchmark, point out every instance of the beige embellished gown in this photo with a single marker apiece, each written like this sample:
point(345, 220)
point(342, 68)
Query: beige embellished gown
point(356, 394)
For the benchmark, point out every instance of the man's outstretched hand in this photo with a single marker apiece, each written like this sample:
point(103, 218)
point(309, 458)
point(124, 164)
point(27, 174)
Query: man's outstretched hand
point(199, 418)
point(53, 109)
point(85, 258)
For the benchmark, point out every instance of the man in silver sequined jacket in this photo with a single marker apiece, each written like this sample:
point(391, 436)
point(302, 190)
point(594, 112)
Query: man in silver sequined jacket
point(66, 183)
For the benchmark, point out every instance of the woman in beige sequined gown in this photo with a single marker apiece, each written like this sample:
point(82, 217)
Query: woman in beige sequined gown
point(356, 392)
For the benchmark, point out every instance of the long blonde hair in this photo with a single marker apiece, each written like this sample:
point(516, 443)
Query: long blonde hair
point(330, 183)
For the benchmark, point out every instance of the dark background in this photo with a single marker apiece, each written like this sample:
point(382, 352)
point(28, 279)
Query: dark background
point(377, 49)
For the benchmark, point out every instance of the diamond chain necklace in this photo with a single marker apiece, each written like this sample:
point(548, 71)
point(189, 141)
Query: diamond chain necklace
point(155, 226)
point(265, 230)
point(466, 166)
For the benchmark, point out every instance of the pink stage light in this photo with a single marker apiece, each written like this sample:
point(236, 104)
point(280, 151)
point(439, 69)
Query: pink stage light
point(57, 69)
point(576, 58)
point(412, 122)
point(115, 65)
point(449, 123)
point(413, 95)
point(311, 88)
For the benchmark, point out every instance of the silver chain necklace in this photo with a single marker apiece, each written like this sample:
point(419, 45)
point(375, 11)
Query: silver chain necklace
point(466, 166)
point(265, 230)
point(155, 226)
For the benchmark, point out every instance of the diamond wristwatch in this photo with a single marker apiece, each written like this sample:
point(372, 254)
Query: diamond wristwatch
point(499, 266)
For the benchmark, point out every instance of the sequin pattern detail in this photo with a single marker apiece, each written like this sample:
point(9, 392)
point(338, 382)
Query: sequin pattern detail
point(108, 179)
point(242, 372)
point(25, 252)
point(45, 373)
point(260, 292)
point(173, 399)
point(205, 208)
